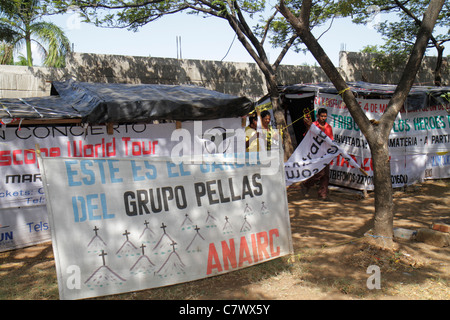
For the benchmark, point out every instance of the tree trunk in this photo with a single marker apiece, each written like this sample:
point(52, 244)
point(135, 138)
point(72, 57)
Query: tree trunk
point(280, 120)
point(438, 68)
point(384, 206)
point(29, 53)
point(376, 134)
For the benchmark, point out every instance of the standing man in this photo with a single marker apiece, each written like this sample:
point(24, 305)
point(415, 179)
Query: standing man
point(323, 176)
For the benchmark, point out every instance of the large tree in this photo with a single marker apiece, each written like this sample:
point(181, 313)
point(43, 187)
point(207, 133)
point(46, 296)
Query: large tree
point(400, 35)
point(21, 25)
point(376, 133)
point(239, 14)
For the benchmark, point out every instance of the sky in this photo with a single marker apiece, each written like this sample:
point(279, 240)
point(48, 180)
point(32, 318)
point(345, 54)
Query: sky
point(203, 39)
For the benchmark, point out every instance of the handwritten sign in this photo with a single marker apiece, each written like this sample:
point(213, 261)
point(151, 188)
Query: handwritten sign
point(121, 225)
point(419, 142)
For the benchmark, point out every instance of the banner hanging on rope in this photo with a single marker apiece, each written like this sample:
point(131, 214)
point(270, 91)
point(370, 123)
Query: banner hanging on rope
point(314, 152)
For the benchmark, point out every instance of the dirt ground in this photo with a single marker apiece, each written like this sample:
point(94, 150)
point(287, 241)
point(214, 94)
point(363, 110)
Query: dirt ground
point(330, 261)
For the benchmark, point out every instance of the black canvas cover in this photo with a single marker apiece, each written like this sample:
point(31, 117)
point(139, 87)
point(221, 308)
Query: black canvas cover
point(98, 103)
point(419, 96)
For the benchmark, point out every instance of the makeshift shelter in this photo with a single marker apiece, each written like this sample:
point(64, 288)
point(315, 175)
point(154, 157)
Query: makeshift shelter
point(100, 103)
point(93, 120)
point(419, 141)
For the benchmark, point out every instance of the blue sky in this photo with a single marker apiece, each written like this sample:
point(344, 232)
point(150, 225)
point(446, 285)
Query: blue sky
point(202, 38)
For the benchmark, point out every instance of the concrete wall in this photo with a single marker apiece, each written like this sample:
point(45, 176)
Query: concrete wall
point(23, 82)
point(229, 77)
point(359, 67)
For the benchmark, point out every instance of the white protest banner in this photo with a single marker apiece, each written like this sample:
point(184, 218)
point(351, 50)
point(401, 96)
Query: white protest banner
point(314, 152)
point(418, 142)
point(121, 225)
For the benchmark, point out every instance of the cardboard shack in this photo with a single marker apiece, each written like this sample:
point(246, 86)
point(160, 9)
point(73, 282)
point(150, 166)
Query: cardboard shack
point(92, 168)
point(419, 141)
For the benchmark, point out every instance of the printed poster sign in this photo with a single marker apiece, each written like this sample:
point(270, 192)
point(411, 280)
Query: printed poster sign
point(23, 215)
point(121, 225)
point(21, 184)
point(21, 227)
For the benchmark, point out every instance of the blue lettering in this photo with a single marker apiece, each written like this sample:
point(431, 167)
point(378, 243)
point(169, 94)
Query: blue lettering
point(82, 207)
point(87, 172)
point(90, 171)
point(5, 236)
point(149, 175)
point(94, 207)
point(112, 171)
point(106, 215)
point(170, 165)
point(172, 174)
point(71, 173)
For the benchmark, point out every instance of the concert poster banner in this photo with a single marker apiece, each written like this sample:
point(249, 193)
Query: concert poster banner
point(419, 142)
point(23, 213)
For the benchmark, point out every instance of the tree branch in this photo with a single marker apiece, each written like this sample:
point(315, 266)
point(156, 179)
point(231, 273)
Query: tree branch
point(301, 27)
point(413, 65)
point(284, 51)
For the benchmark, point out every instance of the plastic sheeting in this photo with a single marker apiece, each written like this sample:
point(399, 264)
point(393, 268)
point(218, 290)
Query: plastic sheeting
point(97, 103)
point(419, 96)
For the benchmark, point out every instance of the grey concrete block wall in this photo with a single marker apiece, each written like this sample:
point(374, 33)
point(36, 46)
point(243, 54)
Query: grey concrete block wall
point(358, 66)
point(22, 82)
point(228, 77)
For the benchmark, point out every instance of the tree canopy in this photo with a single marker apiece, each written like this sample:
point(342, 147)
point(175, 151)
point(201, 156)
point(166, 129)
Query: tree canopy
point(21, 25)
point(400, 33)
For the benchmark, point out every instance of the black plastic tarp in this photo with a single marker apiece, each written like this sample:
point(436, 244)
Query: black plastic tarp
point(98, 103)
point(419, 96)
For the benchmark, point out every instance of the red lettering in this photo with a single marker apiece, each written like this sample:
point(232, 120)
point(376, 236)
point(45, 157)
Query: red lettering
point(14, 156)
point(263, 243)
point(213, 260)
point(139, 148)
point(254, 248)
point(262, 247)
point(29, 156)
point(272, 233)
point(244, 252)
point(20, 157)
point(125, 139)
point(52, 152)
point(5, 158)
point(136, 148)
point(367, 165)
point(229, 254)
point(92, 150)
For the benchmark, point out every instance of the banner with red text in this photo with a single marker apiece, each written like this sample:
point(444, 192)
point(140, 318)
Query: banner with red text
point(21, 183)
point(23, 215)
point(121, 225)
point(419, 142)
point(315, 152)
